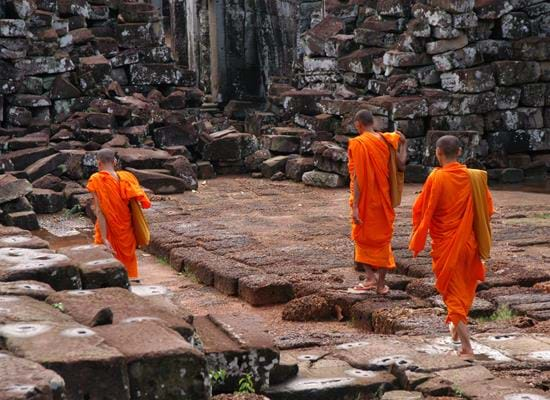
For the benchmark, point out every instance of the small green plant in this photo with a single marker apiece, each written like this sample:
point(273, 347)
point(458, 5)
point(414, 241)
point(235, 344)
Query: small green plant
point(503, 313)
point(163, 260)
point(458, 392)
point(59, 306)
point(218, 377)
point(73, 211)
point(246, 384)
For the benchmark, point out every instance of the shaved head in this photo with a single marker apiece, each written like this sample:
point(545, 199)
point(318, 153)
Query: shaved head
point(364, 117)
point(106, 156)
point(449, 145)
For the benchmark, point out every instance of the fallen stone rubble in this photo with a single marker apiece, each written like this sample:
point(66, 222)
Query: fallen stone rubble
point(115, 343)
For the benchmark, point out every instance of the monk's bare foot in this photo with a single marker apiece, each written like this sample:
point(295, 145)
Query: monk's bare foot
point(466, 356)
point(384, 290)
point(454, 332)
point(367, 285)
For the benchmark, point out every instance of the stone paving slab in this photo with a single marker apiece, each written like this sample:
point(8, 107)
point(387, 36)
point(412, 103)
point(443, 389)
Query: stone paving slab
point(85, 305)
point(239, 345)
point(90, 368)
point(41, 265)
point(34, 289)
point(23, 241)
point(26, 309)
point(323, 377)
point(23, 380)
point(98, 267)
point(161, 364)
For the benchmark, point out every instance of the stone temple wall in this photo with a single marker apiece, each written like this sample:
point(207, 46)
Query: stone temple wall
point(479, 68)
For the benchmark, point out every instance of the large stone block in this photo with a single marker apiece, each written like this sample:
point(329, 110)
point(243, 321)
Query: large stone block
point(507, 97)
point(315, 40)
point(407, 107)
point(510, 73)
point(176, 135)
point(323, 179)
point(45, 65)
point(158, 182)
point(296, 167)
point(161, 364)
point(494, 50)
point(472, 80)
point(510, 120)
point(232, 146)
point(360, 61)
point(281, 144)
point(98, 267)
point(532, 48)
point(330, 157)
point(453, 6)
point(84, 305)
point(161, 74)
point(12, 188)
point(40, 265)
point(45, 201)
point(402, 59)
point(36, 290)
point(481, 103)
point(273, 165)
point(45, 166)
point(26, 309)
point(445, 45)
point(472, 122)
point(459, 59)
point(470, 142)
point(142, 158)
point(306, 101)
point(138, 35)
point(393, 8)
point(515, 25)
point(23, 379)
point(90, 368)
point(534, 94)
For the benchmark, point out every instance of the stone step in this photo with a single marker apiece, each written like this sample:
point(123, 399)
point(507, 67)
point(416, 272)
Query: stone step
point(15, 309)
point(97, 266)
point(34, 289)
point(238, 345)
point(124, 307)
point(161, 364)
point(42, 265)
point(90, 368)
point(324, 377)
point(23, 379)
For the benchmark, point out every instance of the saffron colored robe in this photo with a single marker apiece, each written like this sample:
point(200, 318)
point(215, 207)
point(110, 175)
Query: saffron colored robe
point(369, 157)
point(114, 197)
point(445, 208)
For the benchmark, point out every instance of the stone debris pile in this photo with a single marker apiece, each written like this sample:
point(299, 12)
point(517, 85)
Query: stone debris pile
point(477, 70)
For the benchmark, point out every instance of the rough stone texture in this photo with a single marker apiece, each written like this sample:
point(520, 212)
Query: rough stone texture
point(89, 367)
point(40, 265)
point(160, 363)
point(308, 308)
point(84, 305)
point(34, 289)
point(260, 290)
point(24, 379)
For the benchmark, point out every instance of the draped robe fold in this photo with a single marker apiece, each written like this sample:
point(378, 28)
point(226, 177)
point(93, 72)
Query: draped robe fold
point(114, 197)
point(368, 156)
point(445, 209)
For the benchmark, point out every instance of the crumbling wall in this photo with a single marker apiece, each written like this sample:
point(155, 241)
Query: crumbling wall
point(479, 69)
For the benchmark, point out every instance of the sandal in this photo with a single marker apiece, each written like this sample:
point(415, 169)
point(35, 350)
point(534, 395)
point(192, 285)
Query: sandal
point(385, 290)
point(362, 288)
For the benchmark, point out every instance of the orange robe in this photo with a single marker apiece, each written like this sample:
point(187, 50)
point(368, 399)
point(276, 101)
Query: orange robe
point(114, 198)
point(369, 157)
point(445, 208)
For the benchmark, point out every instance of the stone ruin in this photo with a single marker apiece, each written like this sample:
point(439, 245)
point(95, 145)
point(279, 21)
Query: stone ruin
point(187, 90)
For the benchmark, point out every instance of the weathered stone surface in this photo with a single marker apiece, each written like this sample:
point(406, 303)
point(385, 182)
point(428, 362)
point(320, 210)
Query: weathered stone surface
point(516, 72)
point(273, 165)
point(330, 157)
point(360, 61)
point(40, 265)
point(22, 378)
point(463, 58)
point(159, 74)
point(45, 201)
point(444, 45)
point(45, 166)
point(148, 348)
point(12, 188)
point(98, 267)
point(281, 144)
point(409, 107)
point(308, 308)
point(323, 179)
point(23, 241)
point(142, 158)
point(507, 97)
point(34, 289)
point(181, 168)
point(473, 80)
point(126, 307)
point(89, 367)
point(260, 290)
point(304, 101)
point(296, 167)
point(314, 40)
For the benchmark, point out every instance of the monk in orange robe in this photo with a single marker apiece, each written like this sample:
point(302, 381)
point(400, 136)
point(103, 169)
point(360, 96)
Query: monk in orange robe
point(448, 209)
point(370, 200)
point(112, 192)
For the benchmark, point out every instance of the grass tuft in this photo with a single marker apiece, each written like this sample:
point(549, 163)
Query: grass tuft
point(503, 313)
